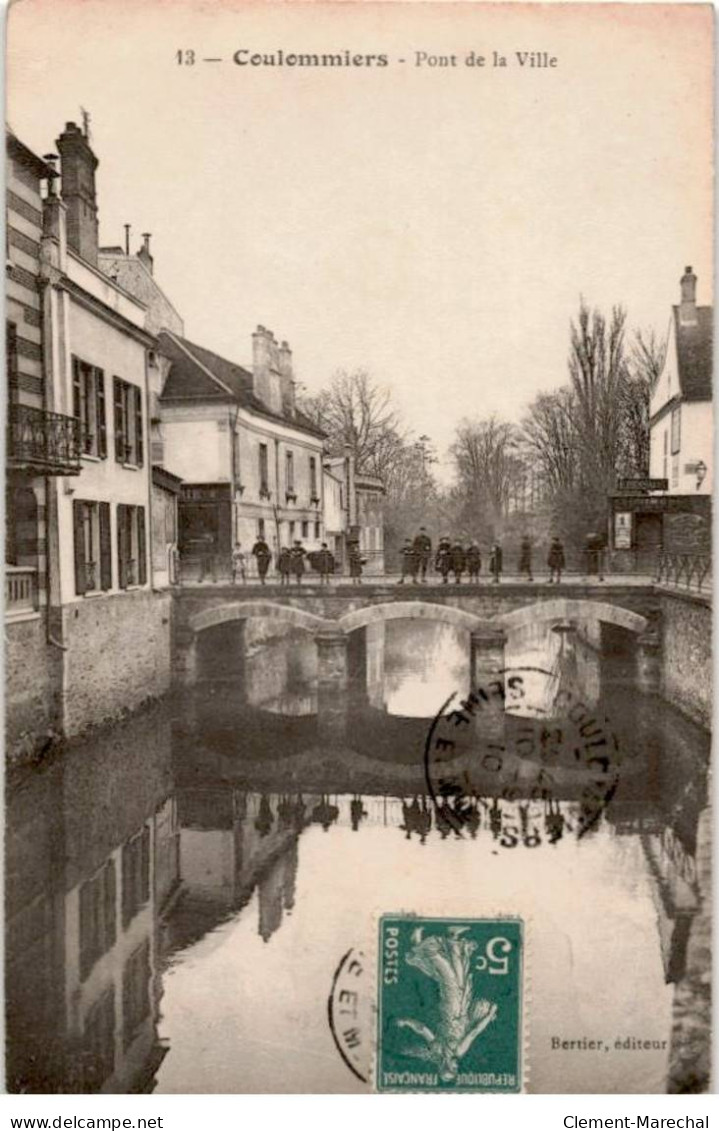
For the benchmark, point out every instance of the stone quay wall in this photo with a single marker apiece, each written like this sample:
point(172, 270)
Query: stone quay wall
point(686, 622)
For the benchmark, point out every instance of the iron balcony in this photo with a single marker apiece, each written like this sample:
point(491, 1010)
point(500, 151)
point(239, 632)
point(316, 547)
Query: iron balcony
point(47, 443)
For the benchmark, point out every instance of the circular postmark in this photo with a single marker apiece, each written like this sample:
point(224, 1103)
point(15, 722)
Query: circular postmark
point(534, 769)
point(348, 1011)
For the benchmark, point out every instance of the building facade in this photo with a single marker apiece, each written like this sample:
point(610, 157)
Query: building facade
point(250, 462)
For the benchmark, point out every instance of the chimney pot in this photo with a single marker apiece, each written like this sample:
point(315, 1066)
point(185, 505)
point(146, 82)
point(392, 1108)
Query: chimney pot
point(688, 307)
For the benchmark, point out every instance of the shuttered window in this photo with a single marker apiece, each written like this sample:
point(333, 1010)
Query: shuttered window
point(91, 546)
point(131, 546)
point(88, 406)
point(98, 925)
point(135, 875)
point(127, 416)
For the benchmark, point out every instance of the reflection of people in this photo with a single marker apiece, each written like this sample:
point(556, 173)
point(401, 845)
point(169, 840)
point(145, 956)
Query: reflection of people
point(262, 555)
point(357, 812)
point(325, 814)
point(263, 822)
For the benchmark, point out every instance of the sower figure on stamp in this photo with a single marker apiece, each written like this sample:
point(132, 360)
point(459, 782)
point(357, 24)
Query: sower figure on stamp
point(555, 560)
point(408, 555)
point(297, 561)
point(525, 557)
point(284, 565)
point(263, 557)
point(443, 561)
point(495, 562)
point(423, 551)
point(473, 559)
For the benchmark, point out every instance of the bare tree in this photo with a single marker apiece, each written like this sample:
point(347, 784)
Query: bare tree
point(646, 361)
point(550, 433)
point(486, 468)
point(597, 372)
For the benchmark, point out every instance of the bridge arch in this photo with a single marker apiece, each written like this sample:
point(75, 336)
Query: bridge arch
point(411, 610)
point(567, 608)
point(244, 610)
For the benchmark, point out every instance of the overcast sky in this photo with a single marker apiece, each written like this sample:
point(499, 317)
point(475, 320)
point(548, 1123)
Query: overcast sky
point(433, 225)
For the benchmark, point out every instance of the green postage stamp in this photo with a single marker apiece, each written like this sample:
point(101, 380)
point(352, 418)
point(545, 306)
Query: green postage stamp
point(450, 1002)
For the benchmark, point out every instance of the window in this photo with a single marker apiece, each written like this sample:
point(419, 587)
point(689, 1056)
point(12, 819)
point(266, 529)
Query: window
point(129, 446)
point(260, 527)
point(131, 550)
point(98, 1053)
point(289, 471)
point(11, 359)
point(97, 917)
point(314, 497)
point(676, 429)
point(135, 875)
point(305, 529)
point(88, 406)
point(264, 478)
point(135, 992)
point(91, 535)
point(317, 530)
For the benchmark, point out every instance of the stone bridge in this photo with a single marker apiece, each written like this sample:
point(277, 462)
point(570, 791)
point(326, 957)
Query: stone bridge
point(333, 615)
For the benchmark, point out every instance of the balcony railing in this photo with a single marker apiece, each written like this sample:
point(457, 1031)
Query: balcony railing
point(685, 570)
point(46, 442)
point(20, 590)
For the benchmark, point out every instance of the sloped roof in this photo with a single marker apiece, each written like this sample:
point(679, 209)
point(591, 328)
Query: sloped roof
point(198, 374)
point(694, 354)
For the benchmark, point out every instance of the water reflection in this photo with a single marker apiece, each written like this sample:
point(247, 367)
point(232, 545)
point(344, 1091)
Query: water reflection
point(179, 896)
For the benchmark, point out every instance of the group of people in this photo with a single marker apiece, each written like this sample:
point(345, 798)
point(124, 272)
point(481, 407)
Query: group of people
point(291, 562)
point(457, 559)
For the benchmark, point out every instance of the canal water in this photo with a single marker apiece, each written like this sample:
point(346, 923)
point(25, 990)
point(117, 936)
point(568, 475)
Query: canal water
point(181, 888)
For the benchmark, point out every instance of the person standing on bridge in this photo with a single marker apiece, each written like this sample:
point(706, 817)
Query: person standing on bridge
point(443, 560)
point(555, 560)
point(495, 563)
point(408, 554)
point(325, 564)
point(284, 565)
point(525, 557)
point(458, 562)
point(263, 557)
point(297, 561)
point(238, 564)
point(423, 550)
point(356, 562)
point(473, 559)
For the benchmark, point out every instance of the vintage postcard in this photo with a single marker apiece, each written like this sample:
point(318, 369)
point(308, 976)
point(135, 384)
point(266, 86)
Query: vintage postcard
point(358, 570)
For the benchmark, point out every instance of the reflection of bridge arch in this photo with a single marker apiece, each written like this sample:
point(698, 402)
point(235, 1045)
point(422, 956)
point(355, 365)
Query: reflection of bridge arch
point(243, 610)
point(565, 608)
point(411, 610)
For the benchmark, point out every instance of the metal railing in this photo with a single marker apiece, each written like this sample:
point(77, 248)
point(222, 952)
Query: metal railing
point(20, 590)
point(47, 442)
point(685, 570)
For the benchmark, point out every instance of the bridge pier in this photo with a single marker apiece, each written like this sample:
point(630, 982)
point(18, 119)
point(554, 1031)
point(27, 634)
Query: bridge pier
point(487, 675)
point(332, 686)
point(649, 662)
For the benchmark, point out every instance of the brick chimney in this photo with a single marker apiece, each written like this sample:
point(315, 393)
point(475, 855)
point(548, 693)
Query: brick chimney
point(77, 170)
point(688, 306)
point(266, 378)
point(144, 253)
point(287, 381)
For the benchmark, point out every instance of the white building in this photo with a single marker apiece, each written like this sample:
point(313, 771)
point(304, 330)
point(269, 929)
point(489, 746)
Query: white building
point(681, 405)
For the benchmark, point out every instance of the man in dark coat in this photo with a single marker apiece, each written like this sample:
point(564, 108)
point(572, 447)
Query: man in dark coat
point(443, 560)
point(284, 565)
point(297, 561)
point(325, 564)
point(458, 562)
point(408, 556)
point(495, 562)
point(263, 557)
point(423, 550)
point(356, 562)
point(594, 552)
point(473, 559)
point(555, 560)
point(525, 557)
